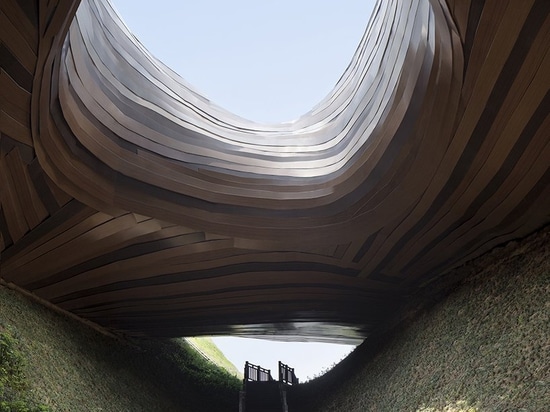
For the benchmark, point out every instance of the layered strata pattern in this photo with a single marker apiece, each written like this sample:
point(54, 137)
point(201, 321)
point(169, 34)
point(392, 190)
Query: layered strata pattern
point(130, 200)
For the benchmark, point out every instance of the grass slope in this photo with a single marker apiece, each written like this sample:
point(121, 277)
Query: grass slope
point(208, 348)
point(484, 347)
point(14, 388)
point(70, 367)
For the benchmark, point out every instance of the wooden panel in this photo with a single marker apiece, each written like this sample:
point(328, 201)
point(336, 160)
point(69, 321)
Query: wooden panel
point(12, 128)
point(11, 203)
point(15, 41)
point(16, 104)
point(26, 28)
point(4, 231)
point(64, 219)
point(9, 65)
point(32, 206)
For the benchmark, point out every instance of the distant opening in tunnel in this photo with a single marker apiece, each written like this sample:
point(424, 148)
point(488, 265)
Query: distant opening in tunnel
point(264, 61)
point(309, 359)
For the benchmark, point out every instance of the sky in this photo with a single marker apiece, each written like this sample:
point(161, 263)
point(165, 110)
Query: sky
point(266, 61)
point(309, 359)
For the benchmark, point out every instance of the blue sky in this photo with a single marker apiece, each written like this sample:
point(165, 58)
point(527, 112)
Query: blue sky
point(267, 61)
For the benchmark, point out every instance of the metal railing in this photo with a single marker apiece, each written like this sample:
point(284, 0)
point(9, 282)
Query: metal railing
point(256, 373)
point(286, 375)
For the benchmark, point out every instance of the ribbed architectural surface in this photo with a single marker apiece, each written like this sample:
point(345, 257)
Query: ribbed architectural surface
point(132, 201)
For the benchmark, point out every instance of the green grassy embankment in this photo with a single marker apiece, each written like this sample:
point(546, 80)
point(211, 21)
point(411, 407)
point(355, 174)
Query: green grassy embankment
point(208, 348)
point(485, 347)
point(67, 366)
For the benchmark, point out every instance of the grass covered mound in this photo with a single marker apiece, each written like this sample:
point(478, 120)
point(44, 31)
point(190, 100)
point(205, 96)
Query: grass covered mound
point(483, 348)
point(14, 389)
point(208, 348)
point(65, 366)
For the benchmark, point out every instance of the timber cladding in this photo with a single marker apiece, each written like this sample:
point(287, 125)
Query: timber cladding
point(129, 200)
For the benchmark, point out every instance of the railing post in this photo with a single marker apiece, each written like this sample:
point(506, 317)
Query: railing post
point(256, 373)
point(286, 374)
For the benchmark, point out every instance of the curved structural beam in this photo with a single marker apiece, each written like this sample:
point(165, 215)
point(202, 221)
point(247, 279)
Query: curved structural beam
point(153, 146)
point(158, 212)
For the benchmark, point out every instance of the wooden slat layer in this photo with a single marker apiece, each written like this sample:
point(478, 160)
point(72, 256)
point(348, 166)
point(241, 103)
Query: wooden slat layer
point(15, 100)
point(495, 135)
point(11, 127)
point(150, 210)
point(11, 202)
point(4, 231)
point(17, 38)
point(32, 206)
point(23, 20)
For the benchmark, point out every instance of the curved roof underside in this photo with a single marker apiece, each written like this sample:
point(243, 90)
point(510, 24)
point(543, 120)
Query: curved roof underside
point(130, 200)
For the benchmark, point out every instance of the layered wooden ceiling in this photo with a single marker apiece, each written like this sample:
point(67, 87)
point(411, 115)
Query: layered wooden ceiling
point(132, 201)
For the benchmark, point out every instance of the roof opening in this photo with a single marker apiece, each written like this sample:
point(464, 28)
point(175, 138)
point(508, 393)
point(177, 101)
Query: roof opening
point(268, 62)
